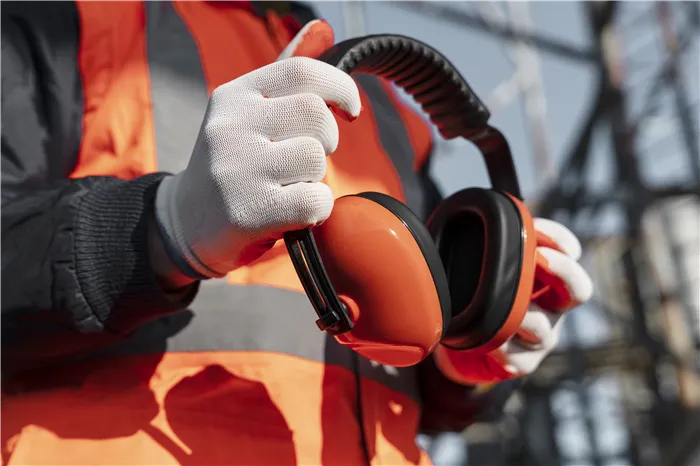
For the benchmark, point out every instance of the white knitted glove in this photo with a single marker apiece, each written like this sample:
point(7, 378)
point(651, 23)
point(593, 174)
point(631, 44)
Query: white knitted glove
point(257, 165)
point(561, 284)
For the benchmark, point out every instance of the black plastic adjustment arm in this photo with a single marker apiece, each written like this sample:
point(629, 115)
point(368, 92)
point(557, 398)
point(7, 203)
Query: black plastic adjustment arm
point(333, 316)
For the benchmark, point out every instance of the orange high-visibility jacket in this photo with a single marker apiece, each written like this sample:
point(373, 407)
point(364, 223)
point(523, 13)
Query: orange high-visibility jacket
point(98, 99)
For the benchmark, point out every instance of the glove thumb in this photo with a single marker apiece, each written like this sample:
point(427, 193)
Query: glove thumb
point(314, 38)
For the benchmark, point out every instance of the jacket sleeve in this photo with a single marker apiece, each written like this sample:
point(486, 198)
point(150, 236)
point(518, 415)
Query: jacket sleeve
point(75, 266)
point(451, 407)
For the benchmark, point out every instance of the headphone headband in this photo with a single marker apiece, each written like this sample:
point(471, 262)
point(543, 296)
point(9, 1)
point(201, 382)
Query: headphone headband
point(442, 92)
point(453, 108)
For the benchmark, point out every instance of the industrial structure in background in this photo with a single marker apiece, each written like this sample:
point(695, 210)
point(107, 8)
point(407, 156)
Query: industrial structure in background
point(634, 399)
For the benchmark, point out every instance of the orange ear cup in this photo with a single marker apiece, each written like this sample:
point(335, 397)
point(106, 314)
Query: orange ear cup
point(487, 244)
point(380, 273)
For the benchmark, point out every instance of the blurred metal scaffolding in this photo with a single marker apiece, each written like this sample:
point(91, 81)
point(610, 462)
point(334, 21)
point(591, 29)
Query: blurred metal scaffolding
point(526, 81)
point(645, 376)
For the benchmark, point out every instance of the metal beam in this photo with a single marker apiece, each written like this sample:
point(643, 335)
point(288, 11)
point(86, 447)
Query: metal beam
point(689, 133)
point(476, 22)
point(685, 39)
point(589, 200)
point(571, 180)
point(616, 355)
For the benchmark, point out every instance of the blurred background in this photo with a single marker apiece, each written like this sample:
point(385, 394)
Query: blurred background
point(599, 101)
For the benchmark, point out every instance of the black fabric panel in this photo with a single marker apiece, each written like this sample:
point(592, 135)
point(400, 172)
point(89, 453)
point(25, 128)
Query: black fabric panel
point(42, 97)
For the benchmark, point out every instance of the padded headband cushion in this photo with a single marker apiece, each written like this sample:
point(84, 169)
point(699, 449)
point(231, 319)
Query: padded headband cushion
point(438, 87)
point(425, 243)
point(422, 72)
point(479, 236)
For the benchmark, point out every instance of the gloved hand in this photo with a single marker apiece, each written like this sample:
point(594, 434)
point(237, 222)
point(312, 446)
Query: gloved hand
point(257, 165)
point(561, 284)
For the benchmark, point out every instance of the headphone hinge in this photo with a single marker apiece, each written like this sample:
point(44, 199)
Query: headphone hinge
point(333, 315)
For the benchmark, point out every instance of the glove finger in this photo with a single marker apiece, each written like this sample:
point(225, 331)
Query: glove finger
point(470, 367)
point(299, 75)
point(537, 329)
point(302, 115)
point(518, 357)
point(297, 160)
point(568, 283)
point(521, 360)
point(314, 38)
point(554, 235)
point(498, 365)
point(304, 205)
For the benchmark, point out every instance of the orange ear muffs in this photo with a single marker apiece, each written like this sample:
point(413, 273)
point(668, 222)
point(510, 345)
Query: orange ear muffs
point(387, 286)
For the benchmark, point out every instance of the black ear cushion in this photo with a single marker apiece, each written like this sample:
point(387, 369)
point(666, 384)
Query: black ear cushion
point(425, 243)
point(479, 236)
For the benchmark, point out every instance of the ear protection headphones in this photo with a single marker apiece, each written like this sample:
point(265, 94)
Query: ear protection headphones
point(392, 288)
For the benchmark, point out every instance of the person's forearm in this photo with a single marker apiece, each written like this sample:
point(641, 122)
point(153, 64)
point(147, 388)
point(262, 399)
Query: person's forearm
point(78, 268)
point(176, 284)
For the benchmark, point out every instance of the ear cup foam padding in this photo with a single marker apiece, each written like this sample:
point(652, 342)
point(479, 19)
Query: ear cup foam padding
point(421, 71)
point(425, 243)
point(479, 236)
